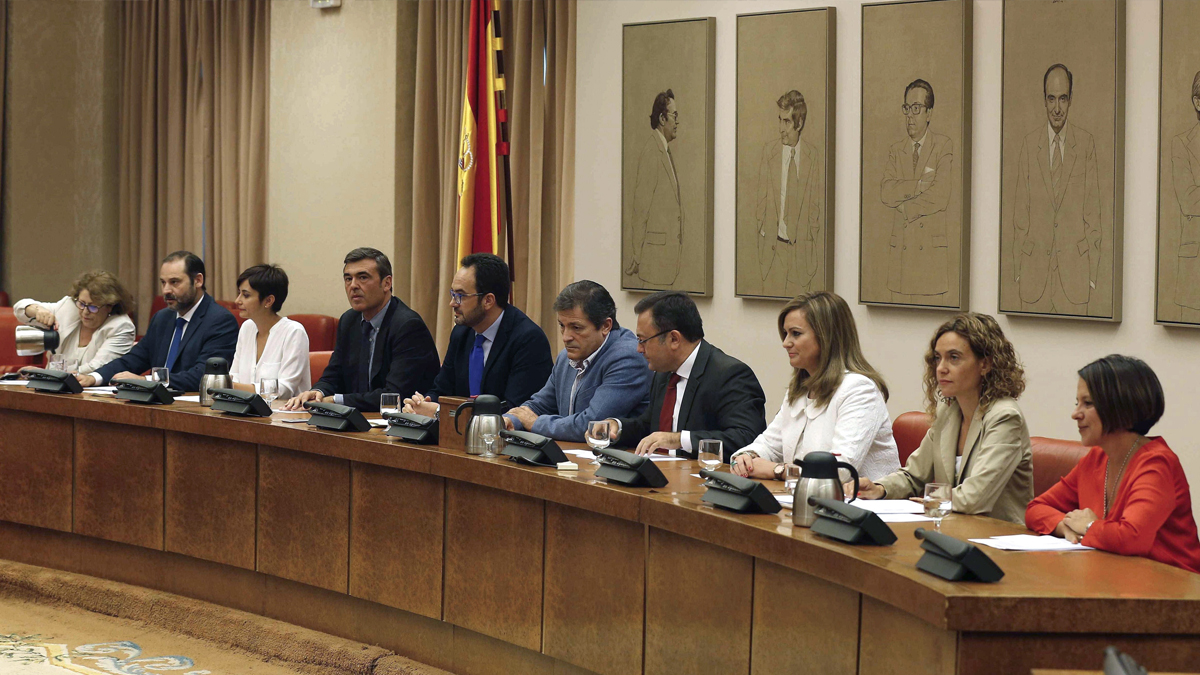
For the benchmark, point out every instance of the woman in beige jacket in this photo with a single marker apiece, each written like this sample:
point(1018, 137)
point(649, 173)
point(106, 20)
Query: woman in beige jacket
point(978, 442)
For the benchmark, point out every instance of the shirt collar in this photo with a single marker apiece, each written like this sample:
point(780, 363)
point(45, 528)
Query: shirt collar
point(922, 141)
point(490, 333)
point(377, 320)
point(582, 366)
point(685, 371)
point(187, 316)
point(661, 139)
point(1050, 135)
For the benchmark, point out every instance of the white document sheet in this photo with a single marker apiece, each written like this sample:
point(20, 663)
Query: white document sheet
point(189, 399)
point(1031, 542)
point(904, 518)
point(377, 423)
point(14, 383)
point(584, 454)
point(888, 506)
point(99, 390)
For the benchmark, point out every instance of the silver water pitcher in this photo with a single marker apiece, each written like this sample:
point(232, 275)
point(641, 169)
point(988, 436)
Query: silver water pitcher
point(216, 376)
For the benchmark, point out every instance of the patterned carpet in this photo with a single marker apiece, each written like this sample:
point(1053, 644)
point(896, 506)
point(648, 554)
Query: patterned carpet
point(38, 655)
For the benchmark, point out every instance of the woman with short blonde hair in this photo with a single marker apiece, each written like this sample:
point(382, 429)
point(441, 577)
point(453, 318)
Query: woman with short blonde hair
point(93, 322)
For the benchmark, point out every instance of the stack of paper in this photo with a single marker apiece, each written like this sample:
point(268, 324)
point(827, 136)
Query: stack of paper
point(888, 505)
point(1031, 542)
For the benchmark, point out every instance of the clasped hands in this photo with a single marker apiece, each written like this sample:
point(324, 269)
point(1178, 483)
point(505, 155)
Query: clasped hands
point(1074, 524)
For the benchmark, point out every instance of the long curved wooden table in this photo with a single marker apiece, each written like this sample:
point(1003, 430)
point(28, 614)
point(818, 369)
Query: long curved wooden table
point(483, 566)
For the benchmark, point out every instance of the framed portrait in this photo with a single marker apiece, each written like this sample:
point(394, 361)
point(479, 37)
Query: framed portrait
point(785, 131)
point(1062, 158)
point(915, 235)
point(667, 91)
point(1177, 283)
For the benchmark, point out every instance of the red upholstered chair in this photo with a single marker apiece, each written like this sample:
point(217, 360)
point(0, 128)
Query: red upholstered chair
point(317, 362)
point(1053, 458)
point(909, 429)
point(156, 305)
point(4, 299)
point(9, 361)
point(321, 329)
point(237, 313)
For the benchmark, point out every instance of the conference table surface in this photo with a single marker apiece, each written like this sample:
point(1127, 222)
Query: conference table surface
point(1051, 609)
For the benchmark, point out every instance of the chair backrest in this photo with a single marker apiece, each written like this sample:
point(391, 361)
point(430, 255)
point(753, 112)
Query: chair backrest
point(317, 362)
point(237, 314)
point(1053, 458)
point(157, 305)
point(321, 329)
point(8, 344)
point(909, 429)
point(4, 299)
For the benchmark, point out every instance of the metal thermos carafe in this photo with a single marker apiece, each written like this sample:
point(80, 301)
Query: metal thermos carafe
point(32, 340)
point(818, 478)
point(485, 416)
point(216, 376)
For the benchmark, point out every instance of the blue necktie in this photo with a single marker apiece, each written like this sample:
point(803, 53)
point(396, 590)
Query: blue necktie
point(475, 367)
point(364, 360)
point(173, 351)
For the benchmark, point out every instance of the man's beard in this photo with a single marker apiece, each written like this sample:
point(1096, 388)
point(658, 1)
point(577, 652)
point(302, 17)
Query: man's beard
point(472, 318)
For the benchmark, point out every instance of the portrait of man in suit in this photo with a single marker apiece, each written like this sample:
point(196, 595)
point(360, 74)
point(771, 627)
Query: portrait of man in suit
point(1057, 233)
point(916, 186)
point(657, 213)
point(788, 204)
point(1185, 176)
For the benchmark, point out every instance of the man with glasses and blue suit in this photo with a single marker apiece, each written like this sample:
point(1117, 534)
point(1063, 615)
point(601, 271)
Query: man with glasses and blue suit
point(494, 348)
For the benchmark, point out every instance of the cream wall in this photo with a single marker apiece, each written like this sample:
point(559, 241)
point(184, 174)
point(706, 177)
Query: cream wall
point(894, 340)
point(332, 168)
point(60, 159)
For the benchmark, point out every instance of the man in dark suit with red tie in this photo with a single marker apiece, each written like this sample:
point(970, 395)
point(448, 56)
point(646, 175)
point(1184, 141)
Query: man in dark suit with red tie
point(699, 392)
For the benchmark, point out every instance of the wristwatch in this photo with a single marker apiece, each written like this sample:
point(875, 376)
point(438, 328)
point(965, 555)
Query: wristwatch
point(778, 471)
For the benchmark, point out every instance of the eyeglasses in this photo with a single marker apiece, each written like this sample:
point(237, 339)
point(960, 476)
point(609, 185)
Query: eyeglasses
point(643, 341)
point(457, 298)
point(914, 109)
point(92, 309)
point(673, 115)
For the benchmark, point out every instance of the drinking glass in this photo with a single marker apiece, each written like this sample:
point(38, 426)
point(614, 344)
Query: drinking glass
point(597, 438)
point(268, 388)
point(64, 364)
point(389, 403)
point(489, 427)
point(161, 375)
point(709, 453)
point(937, 502)
point(56, 363)
point(791, 476)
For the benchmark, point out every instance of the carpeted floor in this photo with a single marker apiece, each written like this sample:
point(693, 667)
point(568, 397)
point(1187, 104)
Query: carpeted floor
point(55, 623)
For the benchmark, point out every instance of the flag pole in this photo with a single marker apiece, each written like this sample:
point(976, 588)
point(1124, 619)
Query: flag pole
point(502, 146)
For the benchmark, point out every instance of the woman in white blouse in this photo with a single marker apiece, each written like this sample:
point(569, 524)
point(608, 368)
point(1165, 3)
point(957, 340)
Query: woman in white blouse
point(836, 400)
point(93, 322)
point(269, 346)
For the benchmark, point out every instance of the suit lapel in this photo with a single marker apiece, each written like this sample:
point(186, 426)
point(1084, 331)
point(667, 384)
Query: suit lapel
point(949, 446)
point(1068, 164)
point(1193, 146)
point(1043, 152)
point(506, 323)
point(381, 340)
point(973, 432)
point(668, 166)
point(694, 379)
point(193, 326)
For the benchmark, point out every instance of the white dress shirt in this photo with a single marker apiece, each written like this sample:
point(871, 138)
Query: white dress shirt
point(285, 357)
point(685, 374)
point(789, 155)
point(855, 426)
point(1050, 147)
point(112, 340)
point(489, 336)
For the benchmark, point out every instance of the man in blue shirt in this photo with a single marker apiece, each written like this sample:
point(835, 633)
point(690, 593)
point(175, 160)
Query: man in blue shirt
point(598, 374)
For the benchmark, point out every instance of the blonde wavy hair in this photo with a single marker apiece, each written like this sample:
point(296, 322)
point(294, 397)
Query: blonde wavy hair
point(105, 289)
point(1005, 379)
point(837, 336)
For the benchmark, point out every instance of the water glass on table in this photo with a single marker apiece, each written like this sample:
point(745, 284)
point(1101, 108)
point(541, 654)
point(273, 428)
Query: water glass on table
point(389, 403)
point(709, 453)
point(938, 502)
point(64, 364)
point(162, 375)
point(597, 438)
point(268, 389)
point(791, 476)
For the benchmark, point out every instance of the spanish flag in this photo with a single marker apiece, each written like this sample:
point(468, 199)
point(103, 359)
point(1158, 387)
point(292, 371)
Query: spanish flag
point(478, 198)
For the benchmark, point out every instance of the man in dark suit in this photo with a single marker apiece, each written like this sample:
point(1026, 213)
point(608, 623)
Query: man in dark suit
point(382, 345)
point(698, 392)
point(494, 348)
point(192, 329)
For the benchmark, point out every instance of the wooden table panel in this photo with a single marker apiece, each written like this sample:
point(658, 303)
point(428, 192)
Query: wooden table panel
point(119, 483)
point(698, 600)
point(37, 484)
point(396, 527)
point(211, 497)
point(304, 517)
point(494, 546)
point(894, 640)
point(802, 624)
point(595, 590)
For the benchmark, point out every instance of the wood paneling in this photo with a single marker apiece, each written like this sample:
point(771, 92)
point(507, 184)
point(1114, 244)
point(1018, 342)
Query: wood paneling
point(36, 460)
point(595, 590)
point(396, 526)
point(893, 641)
point(119, 483)
point(494, 544)
point(210, 499)
point(697, 607)
point(304, 517)
point(802, 624)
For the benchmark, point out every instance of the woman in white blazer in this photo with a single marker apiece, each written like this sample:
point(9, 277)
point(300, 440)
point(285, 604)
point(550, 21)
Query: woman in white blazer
point(269, 345)
point(93, 322)
point(836, 400)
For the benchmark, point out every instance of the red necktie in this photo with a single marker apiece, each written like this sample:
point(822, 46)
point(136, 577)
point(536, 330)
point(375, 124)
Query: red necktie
point(666, 418)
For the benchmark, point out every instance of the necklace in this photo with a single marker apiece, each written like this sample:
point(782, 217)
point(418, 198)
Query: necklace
point(1122, 473)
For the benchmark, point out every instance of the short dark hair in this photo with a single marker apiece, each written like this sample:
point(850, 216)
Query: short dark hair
point(491, 275)
point(192, 264)
point(921, 84)
point(593, 298)
point(382, 264)
point(794, 101)
point(660, 106)
point(1125, 393)
point(267, 280)
point(1070, 78)
point(673, 310)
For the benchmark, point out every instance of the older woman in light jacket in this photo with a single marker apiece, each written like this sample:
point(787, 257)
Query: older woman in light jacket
point(836, 401)
point(93, 322)
point(978, 442)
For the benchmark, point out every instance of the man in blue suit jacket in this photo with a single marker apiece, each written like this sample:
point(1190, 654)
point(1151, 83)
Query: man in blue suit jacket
point(599, 374)
point(494, 348)
point(192, 329)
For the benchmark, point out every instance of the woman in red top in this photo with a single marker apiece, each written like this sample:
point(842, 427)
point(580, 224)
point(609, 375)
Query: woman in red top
point(1135, 483)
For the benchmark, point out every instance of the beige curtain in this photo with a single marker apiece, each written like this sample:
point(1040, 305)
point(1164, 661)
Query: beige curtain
point(541, 103)
point(193, 144)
